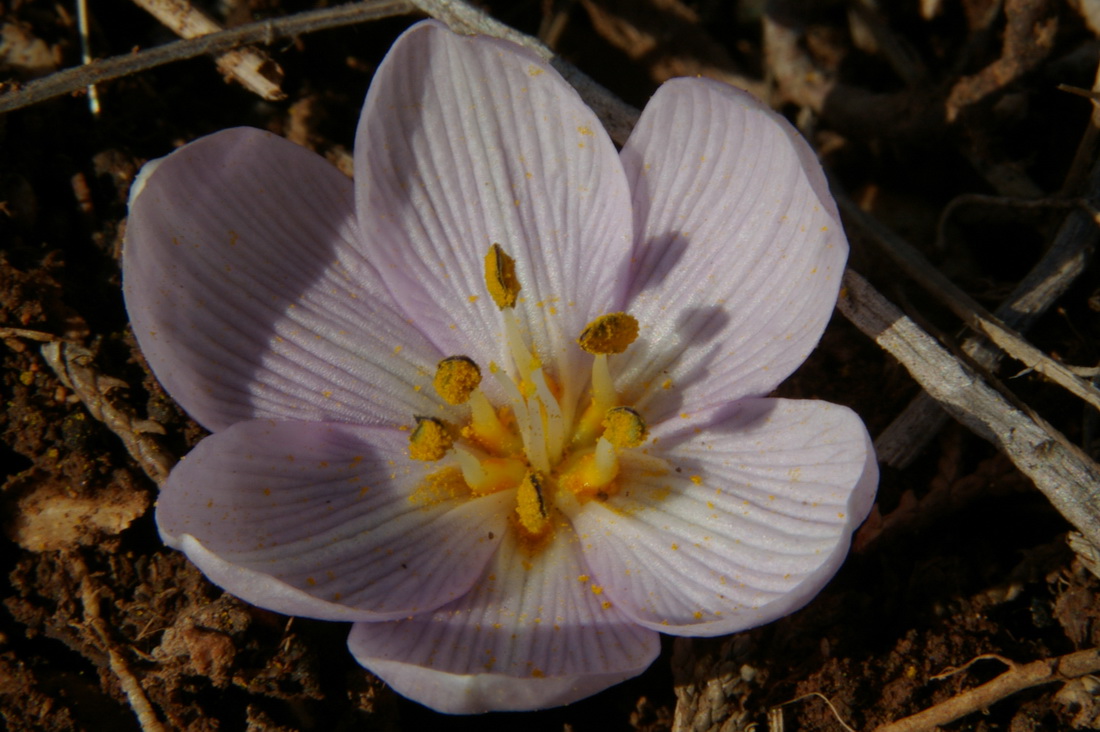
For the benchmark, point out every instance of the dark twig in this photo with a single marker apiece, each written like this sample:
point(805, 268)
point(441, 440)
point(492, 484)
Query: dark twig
point(73, 365)
point(101, 634)
point(1064, 474)
point(1052, 275)
point(1017, 678)
point(965, 307)
point(251, 67)
point(76, 79)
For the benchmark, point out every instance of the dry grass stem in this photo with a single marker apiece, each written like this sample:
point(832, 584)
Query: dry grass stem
point(775, 714)
point(73, 365)
point(1065, 474)
point(1057, 269)
point(135, 694)
point(913, 263)
point(253, 68)
point(75, 79)
point(1017, 678)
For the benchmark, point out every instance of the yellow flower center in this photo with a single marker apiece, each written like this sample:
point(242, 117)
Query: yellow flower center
point(534, 445)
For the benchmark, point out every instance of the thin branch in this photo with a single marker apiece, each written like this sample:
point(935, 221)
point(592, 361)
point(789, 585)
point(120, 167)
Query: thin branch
point(253, 68)
point(984, 199)
point(135, 693)
point(1061, 264)
point(72, 364)
point(75, 79)
point(1068, 477)
point(1017, 678)
point(965, 307)
point(776, 712)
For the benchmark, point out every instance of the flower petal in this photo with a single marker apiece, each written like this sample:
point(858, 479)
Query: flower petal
point(469, 141)
point(249, 296)
point(532, 633)
point(753, 518)
point(738, 251)
point(315, 520)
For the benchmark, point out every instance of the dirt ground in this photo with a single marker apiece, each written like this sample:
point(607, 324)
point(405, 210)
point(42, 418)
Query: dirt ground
point(911, 106)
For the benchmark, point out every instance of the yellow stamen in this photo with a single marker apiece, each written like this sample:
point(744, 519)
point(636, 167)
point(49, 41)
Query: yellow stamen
point(610, 333)
point(606, 464)
point(531, 505)
point(589, 425)
point(553, 428)
point(485, 475)
point(524, 360)
point(624, 427)
point(500, 277)
point(592, 474)
point(430, 441)
point(603, 388)
point(488, 430)
point(456, 378)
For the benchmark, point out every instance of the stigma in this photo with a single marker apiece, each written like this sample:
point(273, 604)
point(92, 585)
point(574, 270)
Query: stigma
point(546, 451)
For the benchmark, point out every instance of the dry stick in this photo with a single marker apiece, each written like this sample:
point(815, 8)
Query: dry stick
point(1064, 474)
point(75, 79)
point(966, 308)
point(86, 52)
point(897, 52)
point(666, 38)
point(1052, 275)
point(984, 199)
point(253, 68)
point(775, 714)
point(1068, 256)
point(903, 440)
point(1017, 678)
point(71, 363)
point(135, 694)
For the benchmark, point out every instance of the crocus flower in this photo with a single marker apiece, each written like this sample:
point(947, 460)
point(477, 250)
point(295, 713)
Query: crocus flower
point(501, 402)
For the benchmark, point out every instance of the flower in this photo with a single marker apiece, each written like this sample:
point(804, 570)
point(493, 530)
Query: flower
point(501, 402)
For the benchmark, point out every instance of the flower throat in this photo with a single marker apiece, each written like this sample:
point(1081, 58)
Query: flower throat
point(531, 444)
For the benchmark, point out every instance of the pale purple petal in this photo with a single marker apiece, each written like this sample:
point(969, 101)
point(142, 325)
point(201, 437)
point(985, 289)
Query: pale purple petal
point(751, 519)
point(327, 521)
point(533, 633)
point(469, 141)
point(738, 251)
point(249, 296)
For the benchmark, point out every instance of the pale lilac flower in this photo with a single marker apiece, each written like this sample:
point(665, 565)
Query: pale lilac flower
point(301, 319)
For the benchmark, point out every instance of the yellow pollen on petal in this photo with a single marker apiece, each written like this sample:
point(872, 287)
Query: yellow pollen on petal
point(430, 441)
point(610, 333)
point(624, 427)
point(500, 277)
point(439, 487)
point(456, 378)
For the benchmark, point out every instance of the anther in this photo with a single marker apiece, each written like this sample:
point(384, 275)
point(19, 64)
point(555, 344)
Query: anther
point(456, 378)
point(430, 439)
point(531, 505)
point(610, 333)
point(500, 277)
point(624, 427)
